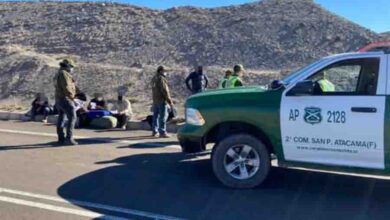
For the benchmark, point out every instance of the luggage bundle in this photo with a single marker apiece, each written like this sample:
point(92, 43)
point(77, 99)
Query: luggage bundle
point(93, 114)
point(105, 122)
point(101, 119)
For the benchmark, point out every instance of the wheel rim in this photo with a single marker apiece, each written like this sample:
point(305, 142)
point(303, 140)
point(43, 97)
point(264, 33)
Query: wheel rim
point(241, 162)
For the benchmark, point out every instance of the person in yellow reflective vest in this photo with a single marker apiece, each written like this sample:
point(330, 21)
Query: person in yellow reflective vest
point(324, 84)
point(235, 80)
point(223, 83)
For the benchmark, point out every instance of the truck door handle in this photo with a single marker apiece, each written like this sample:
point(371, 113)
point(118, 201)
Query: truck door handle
point(364, 109)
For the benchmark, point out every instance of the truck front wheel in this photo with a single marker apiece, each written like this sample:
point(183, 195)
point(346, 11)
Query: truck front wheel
point(241, 161)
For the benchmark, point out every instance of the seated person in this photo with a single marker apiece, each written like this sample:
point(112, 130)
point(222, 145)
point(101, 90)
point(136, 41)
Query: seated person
point(95, 109)
point(81, 110)
point(369, 84)
point(97, 103)
point(40, 106)
point(322, 84)
point(122, 111)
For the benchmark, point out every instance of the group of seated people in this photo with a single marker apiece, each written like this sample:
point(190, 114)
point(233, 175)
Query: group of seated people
point(86, 111)
point(97, 107)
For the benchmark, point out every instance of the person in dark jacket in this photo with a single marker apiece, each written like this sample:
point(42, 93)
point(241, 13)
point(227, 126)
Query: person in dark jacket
point(199, 81)
point(97, 103)
point(40, 106)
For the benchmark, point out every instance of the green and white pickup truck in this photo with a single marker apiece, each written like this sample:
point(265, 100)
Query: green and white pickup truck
point(343, 128)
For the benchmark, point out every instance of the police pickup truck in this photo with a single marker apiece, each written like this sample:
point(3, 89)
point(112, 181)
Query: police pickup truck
point(343, 126)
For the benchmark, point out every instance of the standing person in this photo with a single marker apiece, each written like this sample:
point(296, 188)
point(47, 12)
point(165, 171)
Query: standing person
point(65, 92)
point(161, 101)
point(199, 81)
point(235, 80)
point(123, 111)
point(223, 83)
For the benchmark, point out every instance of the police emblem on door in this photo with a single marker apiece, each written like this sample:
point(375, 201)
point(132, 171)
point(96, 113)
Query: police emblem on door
point(312, 115)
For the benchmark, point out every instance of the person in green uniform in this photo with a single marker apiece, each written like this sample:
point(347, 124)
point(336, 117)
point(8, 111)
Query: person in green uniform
point(235, 80)
point(224, 81)
point(324, 84)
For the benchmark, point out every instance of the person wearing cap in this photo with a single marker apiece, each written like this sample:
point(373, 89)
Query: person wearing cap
point(224, 81)
point(198, 79)
point(161, 102)
point(235, 80)
point(65, 92)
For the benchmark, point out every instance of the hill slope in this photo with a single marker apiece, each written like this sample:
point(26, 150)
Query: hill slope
point(386, 35)
point(253, 34)
point(110, 39)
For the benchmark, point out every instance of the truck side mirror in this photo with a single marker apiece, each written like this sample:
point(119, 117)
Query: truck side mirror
point(302, 88)
point(277, 84)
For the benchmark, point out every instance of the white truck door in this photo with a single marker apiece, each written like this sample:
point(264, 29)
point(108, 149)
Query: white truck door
point(339, 121)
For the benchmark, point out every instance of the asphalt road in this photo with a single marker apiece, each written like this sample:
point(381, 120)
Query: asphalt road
point(128, 175)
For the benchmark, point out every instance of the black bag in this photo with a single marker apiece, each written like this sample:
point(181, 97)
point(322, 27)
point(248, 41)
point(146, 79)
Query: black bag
point(80, 95)
point(172, 113)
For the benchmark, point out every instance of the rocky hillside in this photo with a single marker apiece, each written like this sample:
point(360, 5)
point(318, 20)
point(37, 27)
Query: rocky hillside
point(24, 72)
point(254, 34)
point(386, 35)
point(122, 44)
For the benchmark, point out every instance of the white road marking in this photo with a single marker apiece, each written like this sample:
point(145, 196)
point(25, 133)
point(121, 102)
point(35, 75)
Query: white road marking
point(105, 140)
point(83, 213)
point(76, 202)
point(32, 133)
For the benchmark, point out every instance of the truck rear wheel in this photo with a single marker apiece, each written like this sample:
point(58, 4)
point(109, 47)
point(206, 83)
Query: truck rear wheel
point(241, 161)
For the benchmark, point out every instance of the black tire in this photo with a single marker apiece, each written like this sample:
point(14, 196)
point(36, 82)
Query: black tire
point(191, 147)
point(221, 150)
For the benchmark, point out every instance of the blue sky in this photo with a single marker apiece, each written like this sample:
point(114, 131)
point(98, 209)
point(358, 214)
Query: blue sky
point(373, 14)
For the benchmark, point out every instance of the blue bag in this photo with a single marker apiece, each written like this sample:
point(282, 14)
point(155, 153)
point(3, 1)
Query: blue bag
point(92, 114)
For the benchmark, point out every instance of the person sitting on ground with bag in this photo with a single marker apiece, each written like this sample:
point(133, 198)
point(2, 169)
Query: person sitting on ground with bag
point(122, 111)
point(40, 106)
point(97, 103)
point(81, 109)
point(96, 109)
